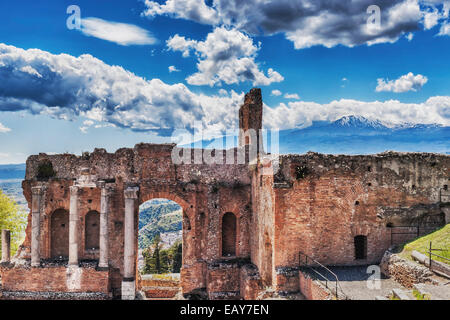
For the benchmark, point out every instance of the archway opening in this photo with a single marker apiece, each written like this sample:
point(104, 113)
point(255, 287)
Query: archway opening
point(229, 234)
point(360, 247)
point(59, 234)
point(92, 231)
point(160, 245)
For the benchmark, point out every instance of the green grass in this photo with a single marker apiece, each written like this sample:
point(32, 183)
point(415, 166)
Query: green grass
point(440, 240)
point(419, 296)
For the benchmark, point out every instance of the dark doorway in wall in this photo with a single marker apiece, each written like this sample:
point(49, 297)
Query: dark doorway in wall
point(228, 234)
point(92, 230)
point(360, 247)
point(59, 234)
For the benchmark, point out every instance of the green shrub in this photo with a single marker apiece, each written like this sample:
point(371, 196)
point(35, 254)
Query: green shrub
point(45, 170)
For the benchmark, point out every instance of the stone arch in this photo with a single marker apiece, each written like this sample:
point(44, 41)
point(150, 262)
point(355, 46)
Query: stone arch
point(229, 223)
point(92, 230)
point(188, 222)
point(166, 195)
point(59, 234)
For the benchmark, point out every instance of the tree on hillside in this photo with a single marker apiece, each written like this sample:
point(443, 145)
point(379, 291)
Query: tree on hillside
point(175, 253)
point(13, 219)
point(158, 260)
point(152, 257)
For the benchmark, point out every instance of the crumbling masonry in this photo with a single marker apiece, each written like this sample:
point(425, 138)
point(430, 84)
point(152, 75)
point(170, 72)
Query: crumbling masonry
point(244, 225)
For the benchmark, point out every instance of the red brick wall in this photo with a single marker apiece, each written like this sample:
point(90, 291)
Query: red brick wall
point(220, 279)
point(312, 290)
point(250, 283)
point(53, 279)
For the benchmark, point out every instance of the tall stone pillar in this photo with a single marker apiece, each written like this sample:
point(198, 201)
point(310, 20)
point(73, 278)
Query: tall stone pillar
point(6, 246)
point(35, 225)
point(73, 226)
point(128, 283)
point(104, 201)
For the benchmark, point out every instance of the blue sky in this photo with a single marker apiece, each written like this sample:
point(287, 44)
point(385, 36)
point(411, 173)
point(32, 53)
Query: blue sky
point(315, 51)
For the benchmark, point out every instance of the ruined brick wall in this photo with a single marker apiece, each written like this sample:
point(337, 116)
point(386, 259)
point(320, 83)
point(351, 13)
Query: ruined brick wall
point(263, 224)
point(250, 117)
point(313, 290)
point(320, 211)
point(55, 279)
point(205, 192)
point(315, 204)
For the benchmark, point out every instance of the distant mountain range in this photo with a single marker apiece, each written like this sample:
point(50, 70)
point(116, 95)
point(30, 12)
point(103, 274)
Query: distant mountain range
point(12, 171)
point(358, 135)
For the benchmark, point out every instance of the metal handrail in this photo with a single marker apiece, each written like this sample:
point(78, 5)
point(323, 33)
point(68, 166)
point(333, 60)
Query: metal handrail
point(338, 285)
point(434, 254)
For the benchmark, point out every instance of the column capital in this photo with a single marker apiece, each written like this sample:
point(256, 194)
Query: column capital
point(74, 190)
point(131, 193)
point(37, 190)
point(101, 184)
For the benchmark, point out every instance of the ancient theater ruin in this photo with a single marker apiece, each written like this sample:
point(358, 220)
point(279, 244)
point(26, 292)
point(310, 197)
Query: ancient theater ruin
point(246, 226)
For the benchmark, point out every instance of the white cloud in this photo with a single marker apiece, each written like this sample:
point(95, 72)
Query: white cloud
point(409, 36)
point(445, 29)
point(276, 92)
point(86, 87)
point(225, 56)
point(121, 33)
point(407, 82)
point(309, 23)
point(4, 129)
point(292, 96)
point(173, 69)
point(430, 18)
point(103, 95)
point(86, 125)
point(30, 70)
point(300, 114)
point(186, 9)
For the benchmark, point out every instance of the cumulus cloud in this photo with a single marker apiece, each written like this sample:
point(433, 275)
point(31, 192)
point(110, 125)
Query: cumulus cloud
point(71, 87)
point(121, 33)
point(445, 29)
point(310, 22)
point(4, 129)
point(292, 96)
point(276, 93)
point(187, 9)
point(226, 56)
point(103, 95)
point(173, 69)
point(407, 82)
point(301, 114)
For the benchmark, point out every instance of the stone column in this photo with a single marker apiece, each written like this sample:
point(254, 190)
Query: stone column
point(104, 200)
point(128, 283)
point(35, 225)
point(6, 246)
point(73, 226)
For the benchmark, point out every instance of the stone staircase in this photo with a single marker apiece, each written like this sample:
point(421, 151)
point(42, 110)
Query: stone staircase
point(159, 287)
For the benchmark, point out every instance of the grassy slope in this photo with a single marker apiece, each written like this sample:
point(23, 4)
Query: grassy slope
point(440, 240)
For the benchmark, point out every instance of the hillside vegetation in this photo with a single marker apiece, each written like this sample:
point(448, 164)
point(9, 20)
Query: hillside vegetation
point(13, 219)
point(158, 216)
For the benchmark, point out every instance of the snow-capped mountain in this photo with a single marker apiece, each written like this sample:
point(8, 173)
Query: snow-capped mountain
point(358, 135)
